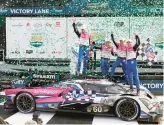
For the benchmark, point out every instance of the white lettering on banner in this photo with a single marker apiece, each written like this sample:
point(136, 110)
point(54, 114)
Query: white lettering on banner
point(29, 11)
point(23, 11)
point(42, 11)
point(58, 10)
point(18, 82)
point(157, 85)
point(3, 10)
point(44, 76)
point(44, 91)
point(161, 85)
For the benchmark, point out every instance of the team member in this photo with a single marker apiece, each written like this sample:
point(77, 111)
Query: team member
point(92, 58)
point(106, 52)
point(84, 42)
point(132, 63)
point(121, 57)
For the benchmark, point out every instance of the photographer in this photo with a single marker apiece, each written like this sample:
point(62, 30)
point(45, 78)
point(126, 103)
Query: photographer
point(36, 118)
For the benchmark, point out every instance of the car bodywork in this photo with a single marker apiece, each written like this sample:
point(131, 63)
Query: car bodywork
point(99, 97)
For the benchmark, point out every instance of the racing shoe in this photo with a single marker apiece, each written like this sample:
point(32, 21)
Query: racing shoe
point(138, 91)
point(77, 73)
point(112, 79)
point(104, 76)
point(130, 89)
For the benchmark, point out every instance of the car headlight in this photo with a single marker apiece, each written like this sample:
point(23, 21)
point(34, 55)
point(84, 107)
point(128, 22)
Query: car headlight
point(147, 103)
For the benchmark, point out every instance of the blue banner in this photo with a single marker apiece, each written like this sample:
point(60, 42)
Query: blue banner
point(31, 11)
point(90, 7)
point(155, 86)
point(3, 11)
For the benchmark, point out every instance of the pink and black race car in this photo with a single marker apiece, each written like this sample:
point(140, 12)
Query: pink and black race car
point(101, 97)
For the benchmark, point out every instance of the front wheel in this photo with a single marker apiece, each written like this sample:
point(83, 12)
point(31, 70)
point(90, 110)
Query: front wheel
point(25, 103)
point(127, 109)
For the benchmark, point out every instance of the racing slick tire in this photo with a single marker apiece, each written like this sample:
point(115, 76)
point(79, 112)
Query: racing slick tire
point(127, 109)
point(25, 103)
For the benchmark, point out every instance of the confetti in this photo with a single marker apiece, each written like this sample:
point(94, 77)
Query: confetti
point(51, 39)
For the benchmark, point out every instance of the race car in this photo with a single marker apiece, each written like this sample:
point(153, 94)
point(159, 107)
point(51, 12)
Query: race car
point(92, 96)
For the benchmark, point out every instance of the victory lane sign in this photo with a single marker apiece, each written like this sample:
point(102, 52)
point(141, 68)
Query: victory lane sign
point(29, 11)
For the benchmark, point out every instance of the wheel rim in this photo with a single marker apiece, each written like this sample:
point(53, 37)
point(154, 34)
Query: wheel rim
point(127, 109)
point(24, 103)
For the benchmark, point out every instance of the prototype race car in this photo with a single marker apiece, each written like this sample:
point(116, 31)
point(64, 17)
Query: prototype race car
point(99, 97)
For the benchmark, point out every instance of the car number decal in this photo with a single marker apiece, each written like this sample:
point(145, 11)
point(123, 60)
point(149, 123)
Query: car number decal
point(97, 109)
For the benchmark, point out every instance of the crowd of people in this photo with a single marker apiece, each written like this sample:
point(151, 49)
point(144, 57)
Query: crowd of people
point(126, 55)
point(34, 121)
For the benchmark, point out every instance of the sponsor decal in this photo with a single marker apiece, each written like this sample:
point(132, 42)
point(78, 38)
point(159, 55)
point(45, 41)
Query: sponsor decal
point(15, 52)
point(39, 105)
point(159, 45)
point(17, 25)
point(45, 91)
point(55, 105)
point(144, 115)
point(37, 25)
point(48, 24)
point(104, 101)
point(58, 52)
point(44, 76)
point(29, 51)
point(98, 36)
point(58, 24)
point(89, 109)
point(119, 24)
point(28, 24)
point(42, 52)
point(36, 40)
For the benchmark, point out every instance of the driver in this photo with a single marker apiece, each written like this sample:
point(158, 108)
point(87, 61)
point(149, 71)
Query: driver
point(85, 40)
point(121, 58)
point(106, 53)
point(132, 63)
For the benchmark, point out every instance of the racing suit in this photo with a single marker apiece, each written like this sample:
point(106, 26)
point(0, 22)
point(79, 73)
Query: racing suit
point(132, 64)
point(84, 42)
point(121, 59)
point(106, 52)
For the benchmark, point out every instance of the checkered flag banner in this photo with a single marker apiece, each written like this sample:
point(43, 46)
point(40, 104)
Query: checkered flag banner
point(81, 96)
point(147, 53)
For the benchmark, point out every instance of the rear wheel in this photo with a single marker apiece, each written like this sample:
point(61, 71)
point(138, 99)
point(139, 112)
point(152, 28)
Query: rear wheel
point(127, 109)
point(25, 103)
